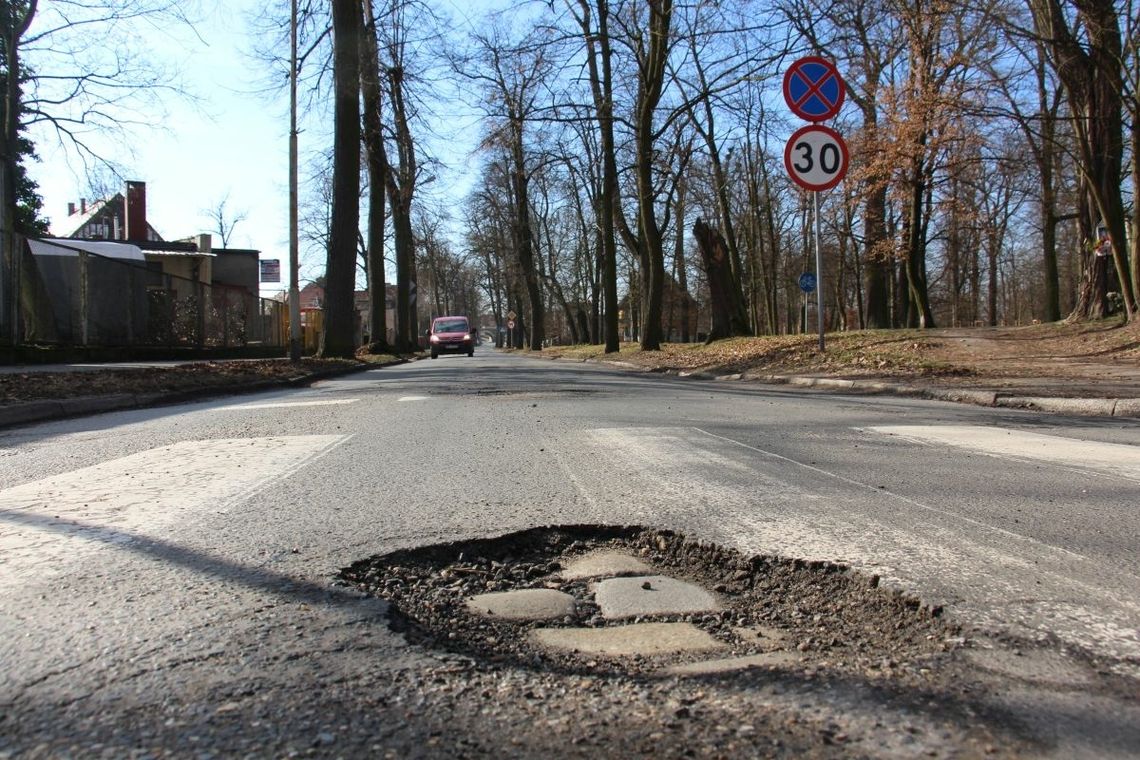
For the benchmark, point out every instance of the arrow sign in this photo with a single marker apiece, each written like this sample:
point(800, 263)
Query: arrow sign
point(807, 282)
point(816, 157)
point(813, 89)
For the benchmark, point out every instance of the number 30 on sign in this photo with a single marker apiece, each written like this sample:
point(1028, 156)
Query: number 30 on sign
point(816, 157)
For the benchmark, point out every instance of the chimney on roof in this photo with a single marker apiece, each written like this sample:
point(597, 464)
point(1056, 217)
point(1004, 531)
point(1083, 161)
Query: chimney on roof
point(71, 209)
point(83, 205)
point(205, 243)
point(136, 211)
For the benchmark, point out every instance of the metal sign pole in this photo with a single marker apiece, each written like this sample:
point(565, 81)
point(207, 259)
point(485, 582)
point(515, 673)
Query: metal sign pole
point(818, 270)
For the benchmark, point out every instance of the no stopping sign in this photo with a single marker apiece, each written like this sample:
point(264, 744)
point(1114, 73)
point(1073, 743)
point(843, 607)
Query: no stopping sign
point(816, 157)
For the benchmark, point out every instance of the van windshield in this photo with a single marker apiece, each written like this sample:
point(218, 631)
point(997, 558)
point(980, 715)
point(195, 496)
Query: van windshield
point(451, 326)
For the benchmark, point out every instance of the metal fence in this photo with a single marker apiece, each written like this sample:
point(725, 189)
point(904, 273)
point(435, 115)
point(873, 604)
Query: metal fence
point(54, 294)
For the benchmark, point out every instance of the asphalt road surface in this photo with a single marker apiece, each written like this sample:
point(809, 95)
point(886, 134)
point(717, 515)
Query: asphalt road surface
point(166, 574)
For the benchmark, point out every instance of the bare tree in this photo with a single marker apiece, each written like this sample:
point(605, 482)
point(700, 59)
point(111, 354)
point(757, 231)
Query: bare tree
point(399, 16)
point(511, 75)
point(224, 219)
point(1084, 40)
point(377, 158)
point(593, 17)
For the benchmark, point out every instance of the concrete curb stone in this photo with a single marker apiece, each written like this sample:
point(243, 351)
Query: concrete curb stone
point(1082, 406)
point(962, 396)
point(1127, 407)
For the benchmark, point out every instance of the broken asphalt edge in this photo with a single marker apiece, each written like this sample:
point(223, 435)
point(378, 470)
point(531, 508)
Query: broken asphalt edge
point(1086, 407)
point(47, 410)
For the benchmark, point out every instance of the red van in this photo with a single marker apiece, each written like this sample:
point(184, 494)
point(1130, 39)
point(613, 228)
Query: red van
point(451, 335)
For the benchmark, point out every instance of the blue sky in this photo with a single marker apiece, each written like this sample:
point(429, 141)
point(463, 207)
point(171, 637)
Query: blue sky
point(233, 144)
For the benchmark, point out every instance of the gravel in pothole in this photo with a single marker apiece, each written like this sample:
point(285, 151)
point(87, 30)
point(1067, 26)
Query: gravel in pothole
point(823, 617)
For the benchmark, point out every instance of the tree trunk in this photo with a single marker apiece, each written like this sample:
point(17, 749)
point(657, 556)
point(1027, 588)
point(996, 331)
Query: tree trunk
point(377, 174)
point(918, 310)
point(1048, 218)
point(599, 63)
point(679, 260)
point(337, 337)
point(650, 248)
point(400, 184)
point(1092, 296)
point(718, 270)
point(724, 206)
point(520, 183)
point(1093, 80)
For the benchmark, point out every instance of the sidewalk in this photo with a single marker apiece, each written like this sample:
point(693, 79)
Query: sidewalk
point(72, 405)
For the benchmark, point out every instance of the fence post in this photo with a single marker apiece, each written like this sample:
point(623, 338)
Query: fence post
point(225, 317)
point(130, 304)
point(200, 293)
point(10, 291)
point(83, 298)
point(171, 309)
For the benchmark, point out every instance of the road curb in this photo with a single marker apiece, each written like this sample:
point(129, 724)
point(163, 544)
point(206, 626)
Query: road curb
point(1098, 407)
point(1084, 407)
point(48, 410)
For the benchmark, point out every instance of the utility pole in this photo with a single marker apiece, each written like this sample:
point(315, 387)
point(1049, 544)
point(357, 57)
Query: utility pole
point(294, 253)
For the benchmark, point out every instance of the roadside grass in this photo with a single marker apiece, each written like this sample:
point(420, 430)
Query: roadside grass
point(866, 352)
point(946, 352)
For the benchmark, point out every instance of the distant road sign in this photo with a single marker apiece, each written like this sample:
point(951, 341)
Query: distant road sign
point(270, 270)
point(511, 314)
point(807, 282)
point(510, 324)
point(813, 88)
point(816, 157)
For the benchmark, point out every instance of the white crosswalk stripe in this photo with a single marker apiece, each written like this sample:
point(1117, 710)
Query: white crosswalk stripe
point(1110, 458)
point(284, 405)
point(47, 523)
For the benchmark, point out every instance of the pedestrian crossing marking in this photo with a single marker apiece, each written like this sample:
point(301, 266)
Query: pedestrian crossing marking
point(284, 405)
point(47, 524)
point(1116, 459)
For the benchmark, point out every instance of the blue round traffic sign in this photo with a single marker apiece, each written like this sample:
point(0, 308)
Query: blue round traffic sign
point(813, 88)
point(807, 282)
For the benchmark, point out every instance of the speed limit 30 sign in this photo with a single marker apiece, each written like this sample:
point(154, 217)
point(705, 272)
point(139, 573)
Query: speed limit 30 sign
point(816, 157)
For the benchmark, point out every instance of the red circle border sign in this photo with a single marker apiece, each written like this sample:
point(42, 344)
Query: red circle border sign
point(829, 135)
point(813, 89)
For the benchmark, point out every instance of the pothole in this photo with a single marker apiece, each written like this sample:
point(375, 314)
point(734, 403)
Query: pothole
point(633, 600)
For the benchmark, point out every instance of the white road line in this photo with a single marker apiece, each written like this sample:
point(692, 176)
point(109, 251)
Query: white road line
point(1115, 459)
point(284, 405)
point(412, 398)
point(46, 524)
